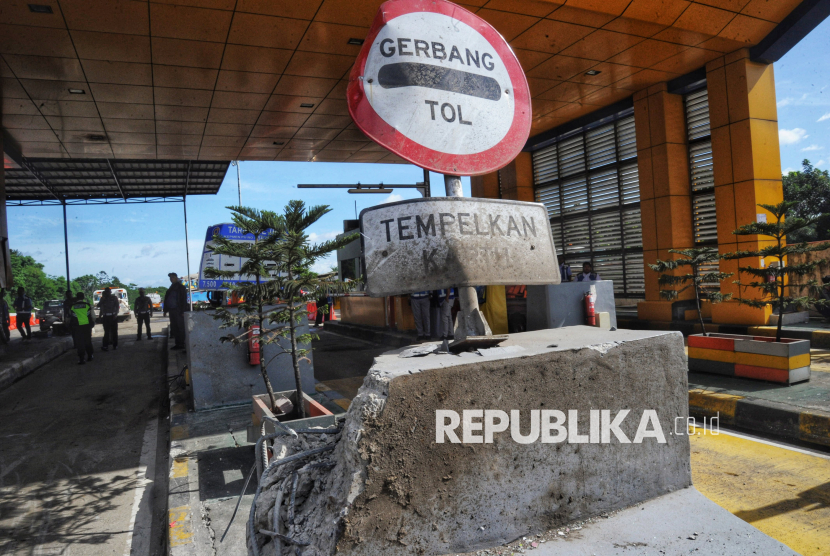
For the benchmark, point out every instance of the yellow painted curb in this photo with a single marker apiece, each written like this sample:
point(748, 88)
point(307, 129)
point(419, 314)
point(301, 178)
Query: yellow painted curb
point(179, 468)
point(713, 402)
point(820, 339)
point(320, 387)
point(179, 432)
point(344, 403)
point(178, 409)
point(814, 428)
point(180, 532)
point(712, 354)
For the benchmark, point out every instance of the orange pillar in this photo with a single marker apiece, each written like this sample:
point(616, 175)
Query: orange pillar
point(665, 194)
point(486, 186)
point(747, 166)
point(517, 179)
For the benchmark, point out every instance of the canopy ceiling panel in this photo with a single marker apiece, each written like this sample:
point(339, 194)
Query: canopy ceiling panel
point(266, 80)
point(51, 180)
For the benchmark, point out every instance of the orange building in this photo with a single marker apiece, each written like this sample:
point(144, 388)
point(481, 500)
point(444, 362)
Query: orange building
point(654, 121)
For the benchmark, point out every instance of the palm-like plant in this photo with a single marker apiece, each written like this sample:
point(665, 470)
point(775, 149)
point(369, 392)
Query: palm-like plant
point(698, 278)
point(278, 260)
point(773, 280)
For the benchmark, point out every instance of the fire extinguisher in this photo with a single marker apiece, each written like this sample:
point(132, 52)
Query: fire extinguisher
point(253, 347)
point(590, 300)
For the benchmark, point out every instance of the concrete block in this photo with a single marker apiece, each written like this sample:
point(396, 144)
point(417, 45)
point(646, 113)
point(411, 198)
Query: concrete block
point(220, 373)
point(555, 306)
point(790, 318)
point(604, 320)
point(768, 346)
point(395, 490)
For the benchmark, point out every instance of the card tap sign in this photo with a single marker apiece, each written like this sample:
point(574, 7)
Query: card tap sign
point(438, 86)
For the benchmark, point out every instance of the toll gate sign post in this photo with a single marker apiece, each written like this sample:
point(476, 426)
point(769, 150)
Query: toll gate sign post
point(438, 86)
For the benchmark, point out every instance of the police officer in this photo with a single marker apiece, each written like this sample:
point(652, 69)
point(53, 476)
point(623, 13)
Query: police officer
point(109, 306)
point(446, 299)
point(175, 304)
point(419, 301)
point(23, 309)
point(587, 274)
point(143, 308)
point(83, 321)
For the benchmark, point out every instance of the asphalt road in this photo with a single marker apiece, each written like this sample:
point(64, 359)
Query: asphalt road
point(341, 362)
point(79, 450)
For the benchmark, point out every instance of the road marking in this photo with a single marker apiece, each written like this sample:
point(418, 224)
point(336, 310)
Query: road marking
point(781, 490)
point(179, 468)
point(141, 516)
point(180, 531)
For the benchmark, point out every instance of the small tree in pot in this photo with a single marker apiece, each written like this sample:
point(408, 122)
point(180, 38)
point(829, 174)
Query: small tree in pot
point(278, 259)
point(773, 281)
point(698, 278)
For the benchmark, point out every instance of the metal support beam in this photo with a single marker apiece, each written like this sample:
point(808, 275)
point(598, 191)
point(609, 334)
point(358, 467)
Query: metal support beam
point(66, 246)
point(423, 187)
point(186, 242)
point(797, 25)
point(115, 177)
point(21, 161)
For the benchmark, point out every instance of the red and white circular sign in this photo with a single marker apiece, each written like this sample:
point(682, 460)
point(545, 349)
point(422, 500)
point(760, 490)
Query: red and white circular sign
point(437, 85)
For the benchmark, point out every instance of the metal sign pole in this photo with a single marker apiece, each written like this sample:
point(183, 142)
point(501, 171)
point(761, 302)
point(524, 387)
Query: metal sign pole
point(470, 320)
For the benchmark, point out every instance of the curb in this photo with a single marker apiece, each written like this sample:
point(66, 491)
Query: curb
point(370, 334)
point(817, 338)
point(334, 396)
point(19, 369)
point(761, 416)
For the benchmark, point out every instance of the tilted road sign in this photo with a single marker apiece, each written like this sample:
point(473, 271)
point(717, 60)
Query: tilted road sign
point(428, 244)
point(438, 86)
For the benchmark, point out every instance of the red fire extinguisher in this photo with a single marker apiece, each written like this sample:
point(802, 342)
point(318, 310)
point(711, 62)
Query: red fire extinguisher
point(253, 347)
point(590, 311)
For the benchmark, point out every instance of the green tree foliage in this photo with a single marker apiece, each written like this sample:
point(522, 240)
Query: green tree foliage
point(279, 258)
point(41, 287)
point(697, 278)
point(809, 190)
point(775, 280)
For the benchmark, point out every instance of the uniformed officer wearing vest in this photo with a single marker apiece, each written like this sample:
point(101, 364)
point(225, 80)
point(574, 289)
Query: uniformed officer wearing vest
point(446, 299)
point(143, 307)
point(109, 306)
point(83, 321)
point(419, 301)
point(587, 274)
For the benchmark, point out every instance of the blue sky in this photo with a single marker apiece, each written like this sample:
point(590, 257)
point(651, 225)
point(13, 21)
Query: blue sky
point(142, 243)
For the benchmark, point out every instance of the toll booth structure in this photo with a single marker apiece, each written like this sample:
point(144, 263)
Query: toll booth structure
point(654, 123)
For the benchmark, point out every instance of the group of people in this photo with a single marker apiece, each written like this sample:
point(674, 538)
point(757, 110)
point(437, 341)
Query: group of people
point(587, 274)
point(422, 304)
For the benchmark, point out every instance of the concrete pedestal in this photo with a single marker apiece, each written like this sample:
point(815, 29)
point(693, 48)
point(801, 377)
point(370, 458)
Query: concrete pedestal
point(395, 490)
point(220, 372)
point(559, 305)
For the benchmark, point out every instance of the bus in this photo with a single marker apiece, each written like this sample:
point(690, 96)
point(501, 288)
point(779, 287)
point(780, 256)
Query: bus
point(210, 259)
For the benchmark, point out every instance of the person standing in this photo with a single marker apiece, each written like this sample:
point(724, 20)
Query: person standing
point(143, 308)
point(446, 299)
point(23, 308)
point(83, 321)
point(68, 301)
point(419, 301)
point(175, 304)
point(5, 318)
point(587, 274)
point(109, 306)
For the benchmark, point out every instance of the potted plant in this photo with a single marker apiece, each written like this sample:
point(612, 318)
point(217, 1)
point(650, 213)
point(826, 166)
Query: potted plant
point(775, 359)
point(275, 302)
point(698, 278)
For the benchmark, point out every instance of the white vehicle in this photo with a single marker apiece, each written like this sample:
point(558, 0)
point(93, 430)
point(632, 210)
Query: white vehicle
point(123, 304)
point(155, 299)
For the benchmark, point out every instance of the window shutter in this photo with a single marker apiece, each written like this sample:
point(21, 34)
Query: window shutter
point(545, 165)
point(574, 195)
point(549, 196)
point(605, 189)
point(571, 156)
point(601, 147)
point(626, 139)
point(697, 114)
point(701, 175)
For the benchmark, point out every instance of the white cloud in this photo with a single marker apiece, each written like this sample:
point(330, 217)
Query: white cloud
point(811, 148)
point(820, 163)
point(825, 117)
point(325, 236)
point(791, 136)
point(788, 170)
point(784, 102)
point(392, 198)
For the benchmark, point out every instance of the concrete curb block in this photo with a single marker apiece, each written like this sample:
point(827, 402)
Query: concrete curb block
point(19, 369)
point(761, 416)
point(370, 334)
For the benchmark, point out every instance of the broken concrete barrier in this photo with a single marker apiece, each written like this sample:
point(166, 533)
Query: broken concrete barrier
point(446, 453)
